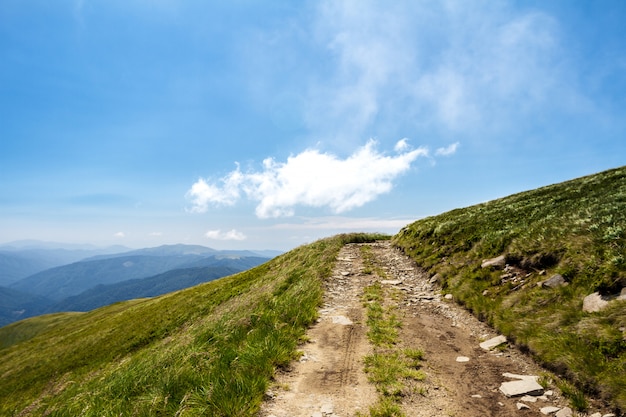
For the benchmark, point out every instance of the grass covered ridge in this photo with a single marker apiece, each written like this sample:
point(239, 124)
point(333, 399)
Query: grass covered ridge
point(207, 350)
point(576, 229)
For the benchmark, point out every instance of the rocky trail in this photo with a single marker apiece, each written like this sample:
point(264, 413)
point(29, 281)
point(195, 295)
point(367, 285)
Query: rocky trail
point(461, 377)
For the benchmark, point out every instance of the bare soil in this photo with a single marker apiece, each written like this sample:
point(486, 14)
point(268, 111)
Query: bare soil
point(329, 380)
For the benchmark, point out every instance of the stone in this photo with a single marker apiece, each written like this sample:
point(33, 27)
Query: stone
point(477, 396)
point(343, 320)
point(517, 376)
point(435, 278)
point(391, 282)
point(549, 410)
point(554, 281)
point(493, 342)
point(327, 409)
point(565, 412)
point(462, 359)
point(521, 387)
point(522, 406)
point(498, 262)
point(529, 399)
point(448, 297)
point(596, 415)
point(622, 295)
point(594, 303)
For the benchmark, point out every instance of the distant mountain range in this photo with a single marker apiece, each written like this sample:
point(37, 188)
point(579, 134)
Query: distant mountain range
point(29, 286)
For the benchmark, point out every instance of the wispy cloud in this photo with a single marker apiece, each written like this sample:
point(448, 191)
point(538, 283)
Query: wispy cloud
point(310, 178)
point(453, 65)
point(229, 235)
point(120, 235)
point(448, 150)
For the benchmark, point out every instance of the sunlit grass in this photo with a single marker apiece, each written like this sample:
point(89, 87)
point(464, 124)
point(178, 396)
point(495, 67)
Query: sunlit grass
point(207, 350)
point(576, 229)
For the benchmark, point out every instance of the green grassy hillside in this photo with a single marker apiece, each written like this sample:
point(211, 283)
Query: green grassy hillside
point(206, 350)
point(576, 229)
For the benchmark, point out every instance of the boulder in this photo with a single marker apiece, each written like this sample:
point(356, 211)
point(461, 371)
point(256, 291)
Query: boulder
point(498, 262)
point(554, 281)
point(594, 303)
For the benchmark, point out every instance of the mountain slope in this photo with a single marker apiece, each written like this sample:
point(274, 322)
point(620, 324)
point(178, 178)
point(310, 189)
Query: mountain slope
point(575, 229)
point(169, 281)
point(15, 305)
point(206, 350)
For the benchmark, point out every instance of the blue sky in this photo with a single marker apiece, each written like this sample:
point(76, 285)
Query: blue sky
point(268, 124)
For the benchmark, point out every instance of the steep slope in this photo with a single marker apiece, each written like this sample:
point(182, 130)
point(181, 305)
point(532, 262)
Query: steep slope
point(575, 230)
point(206, 350)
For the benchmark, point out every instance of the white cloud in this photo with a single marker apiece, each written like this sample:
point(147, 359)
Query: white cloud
point(310, 178)
point(448, 150)
point(454, 65)
point(120, 235)
point(156, 234)
point(229, 235)
point(203, 193)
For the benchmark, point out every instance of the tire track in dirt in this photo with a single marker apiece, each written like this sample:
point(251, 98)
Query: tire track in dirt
point(329, 380)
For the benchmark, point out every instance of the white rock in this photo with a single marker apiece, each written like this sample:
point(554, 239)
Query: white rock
point(520, 388)
point(522, 406)
point(448, 297)
point(493, 342)
point(594, 303)
point(327, 409)
point(517, 376)
point(549, 410)
point(596, 415)
point(391, 282)
point(497, 262)
point(565, 412)
point(343, 320)
point(477, 396)
point(462, 359)
point(529, 399)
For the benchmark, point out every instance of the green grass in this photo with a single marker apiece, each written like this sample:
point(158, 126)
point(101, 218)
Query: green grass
point(389, 367)
point(207, 350)
point(577, 229)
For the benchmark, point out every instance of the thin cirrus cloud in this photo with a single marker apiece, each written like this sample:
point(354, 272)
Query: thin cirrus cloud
point(448, 150)
point(310, 178)
point(456, 66)
point(229, 235)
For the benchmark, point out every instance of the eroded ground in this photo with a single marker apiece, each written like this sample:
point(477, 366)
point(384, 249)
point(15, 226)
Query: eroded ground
point(329, 379)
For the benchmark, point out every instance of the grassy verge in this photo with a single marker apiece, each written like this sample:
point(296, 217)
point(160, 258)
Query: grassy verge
point(389, 368)
point(207, 350)
point(576, 229)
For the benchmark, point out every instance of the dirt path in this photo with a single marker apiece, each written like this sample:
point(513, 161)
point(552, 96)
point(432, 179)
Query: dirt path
point(329, 379)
